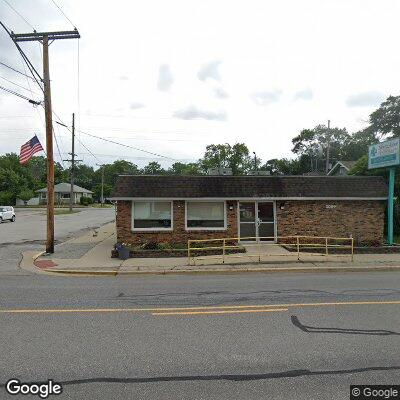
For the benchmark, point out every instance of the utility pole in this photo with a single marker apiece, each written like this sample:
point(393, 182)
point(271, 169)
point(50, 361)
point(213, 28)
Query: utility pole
point(72, 161)
point(255, 162)
point(45, 38)
point(328, 147)
point(71, 193)
point(102, 183)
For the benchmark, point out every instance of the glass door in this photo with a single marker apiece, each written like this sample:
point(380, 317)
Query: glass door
point(266, 221)
point(257, 220)
point(247, 221)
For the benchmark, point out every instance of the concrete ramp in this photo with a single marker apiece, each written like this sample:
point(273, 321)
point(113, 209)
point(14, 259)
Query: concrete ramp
point(267, 249)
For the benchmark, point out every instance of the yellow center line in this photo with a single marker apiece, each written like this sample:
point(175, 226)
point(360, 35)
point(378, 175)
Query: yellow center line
point(199, 308)
point(219, 312)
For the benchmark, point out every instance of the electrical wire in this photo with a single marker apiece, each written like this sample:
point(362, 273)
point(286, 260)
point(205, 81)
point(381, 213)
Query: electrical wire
point(30, 66)
point(63, 13)
point(15, 70)
point(128, 146)
point(19, 14)
point(114, 142)
point(21, 96)
point(16, 84)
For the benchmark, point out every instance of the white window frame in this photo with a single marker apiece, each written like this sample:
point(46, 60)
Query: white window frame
point(203, 228)
point(133, 229)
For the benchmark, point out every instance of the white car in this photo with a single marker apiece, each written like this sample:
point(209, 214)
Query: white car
point(7, 213)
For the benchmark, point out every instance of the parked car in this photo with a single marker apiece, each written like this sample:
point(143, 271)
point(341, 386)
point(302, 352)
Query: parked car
point(7, 213)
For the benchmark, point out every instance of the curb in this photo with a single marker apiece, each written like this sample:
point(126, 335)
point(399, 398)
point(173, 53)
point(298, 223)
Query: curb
point(224, 271)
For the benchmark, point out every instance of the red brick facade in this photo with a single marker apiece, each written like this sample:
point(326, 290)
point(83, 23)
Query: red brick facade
point(179, 233)
point(364, 220)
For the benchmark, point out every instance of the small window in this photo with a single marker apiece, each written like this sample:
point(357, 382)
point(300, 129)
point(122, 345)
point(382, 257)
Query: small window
point(153, 215)
point(205, 214)
point(65, 195)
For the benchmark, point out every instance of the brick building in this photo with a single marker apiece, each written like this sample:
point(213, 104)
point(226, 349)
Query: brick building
point(177, 208)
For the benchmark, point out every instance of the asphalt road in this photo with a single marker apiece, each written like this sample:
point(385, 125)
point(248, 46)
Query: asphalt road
point(28, 232)
point(159, 337)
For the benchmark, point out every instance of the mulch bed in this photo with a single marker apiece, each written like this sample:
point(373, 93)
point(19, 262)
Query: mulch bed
point(175, 253)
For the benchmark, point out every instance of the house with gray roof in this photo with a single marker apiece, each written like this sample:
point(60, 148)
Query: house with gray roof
point(341, 168)
point(62, 193)
point(178, 208)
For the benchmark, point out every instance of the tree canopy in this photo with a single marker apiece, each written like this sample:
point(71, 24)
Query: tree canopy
point(309, 155)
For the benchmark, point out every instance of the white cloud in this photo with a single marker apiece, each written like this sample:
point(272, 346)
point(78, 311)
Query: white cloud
point(266, 97)
point(365, 99)
point(220, 93)
point(306, 94)
point(209, 71)
point(273, 49)
point(165, 78)
point(193, 112)
point(136, 105)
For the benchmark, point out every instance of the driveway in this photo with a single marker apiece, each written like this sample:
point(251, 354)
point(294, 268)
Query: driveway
point(28, 232)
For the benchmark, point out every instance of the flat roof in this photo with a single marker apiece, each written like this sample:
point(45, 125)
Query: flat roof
point(249, 186)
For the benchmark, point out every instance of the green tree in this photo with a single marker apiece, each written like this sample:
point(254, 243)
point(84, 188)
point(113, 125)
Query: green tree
point(111, 171)
point(107, 190)
point(25, 195)
point(179, 168)
point(6, 198)
point(236, 157)
point(283, 166)
point(153, 168)
point(84, 176)
point(313, 144)
point(385, 121)
point(357, 144)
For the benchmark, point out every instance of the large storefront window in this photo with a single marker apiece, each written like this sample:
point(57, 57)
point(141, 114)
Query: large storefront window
point(205, 214)
point(152, 215)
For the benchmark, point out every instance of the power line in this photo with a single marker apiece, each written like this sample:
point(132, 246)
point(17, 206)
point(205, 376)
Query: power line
point(36, 103)
point(30, 66)
point(16, 84)
point(66, 126)
point(63, 13)
point(128, 146)
point(15, 70)
point(18, 13)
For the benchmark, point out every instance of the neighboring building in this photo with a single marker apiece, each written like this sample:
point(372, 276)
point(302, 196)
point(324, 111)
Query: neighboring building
point(62, 194)
point(341, 168)
point(177, 208)
point(34, 201)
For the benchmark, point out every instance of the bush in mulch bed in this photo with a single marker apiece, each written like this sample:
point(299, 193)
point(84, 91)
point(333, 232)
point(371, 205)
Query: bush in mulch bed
point(162, 250)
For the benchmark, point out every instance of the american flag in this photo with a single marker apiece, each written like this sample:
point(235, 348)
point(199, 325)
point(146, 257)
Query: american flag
point(29, 149)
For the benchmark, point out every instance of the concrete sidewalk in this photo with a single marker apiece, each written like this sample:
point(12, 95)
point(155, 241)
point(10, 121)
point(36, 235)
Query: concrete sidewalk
point(91, 254)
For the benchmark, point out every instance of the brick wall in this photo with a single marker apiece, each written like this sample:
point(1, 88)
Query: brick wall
point(179, 234)
point(362, 219)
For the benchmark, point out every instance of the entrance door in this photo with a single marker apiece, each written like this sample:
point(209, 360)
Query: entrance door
point(266, 221)
point(257, 221)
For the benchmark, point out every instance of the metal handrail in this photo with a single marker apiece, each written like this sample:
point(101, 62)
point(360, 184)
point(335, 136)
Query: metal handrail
point(275, 241)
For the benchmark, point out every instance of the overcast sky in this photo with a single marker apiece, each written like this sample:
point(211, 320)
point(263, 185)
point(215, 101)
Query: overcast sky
point(171, 77)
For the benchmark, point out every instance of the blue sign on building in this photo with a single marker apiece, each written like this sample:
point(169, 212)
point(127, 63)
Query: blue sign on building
point(385, 154)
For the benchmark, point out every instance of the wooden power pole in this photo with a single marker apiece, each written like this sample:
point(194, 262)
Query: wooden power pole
point(72, 161)
point(102, 184)
point(71, 194)
point(46, 38)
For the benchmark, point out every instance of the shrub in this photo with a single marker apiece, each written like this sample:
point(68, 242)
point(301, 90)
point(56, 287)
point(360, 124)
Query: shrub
point(6, 198)
point(85, 201)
